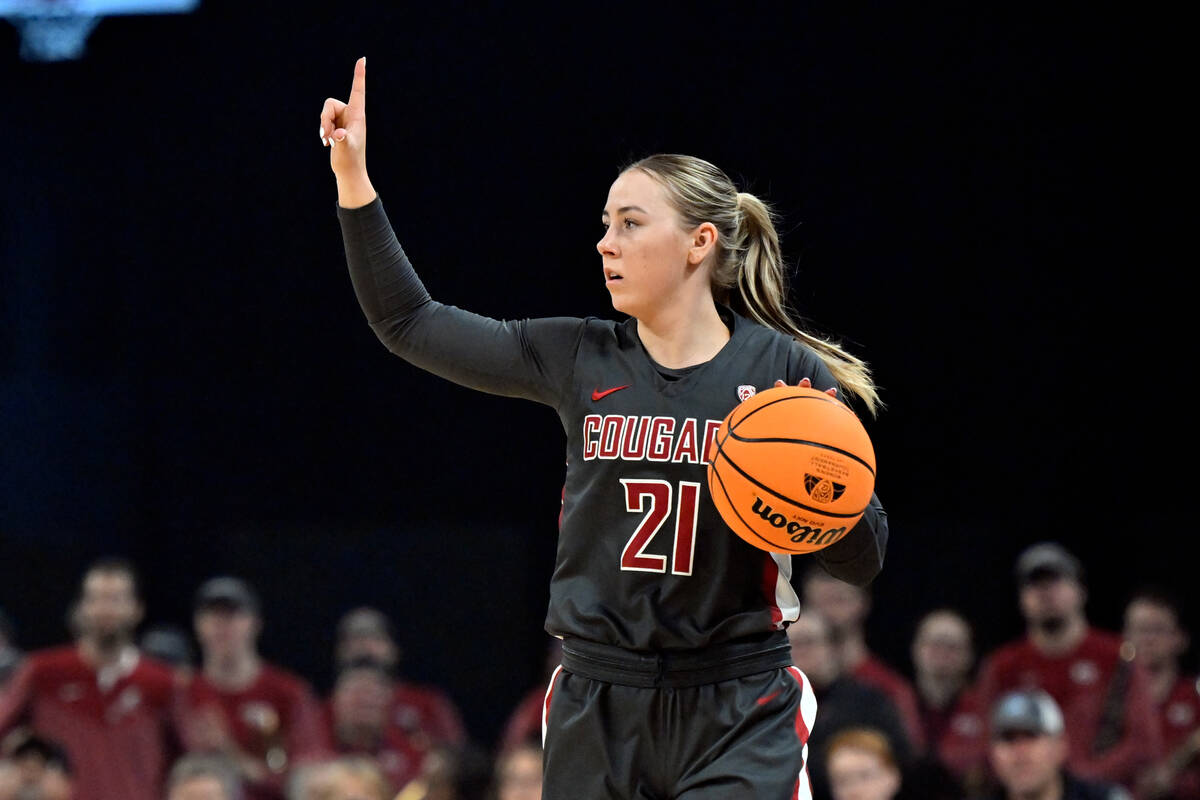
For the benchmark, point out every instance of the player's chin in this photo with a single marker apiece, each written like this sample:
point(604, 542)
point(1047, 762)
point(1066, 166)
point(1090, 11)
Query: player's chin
point(622, 302)
point(625, 301)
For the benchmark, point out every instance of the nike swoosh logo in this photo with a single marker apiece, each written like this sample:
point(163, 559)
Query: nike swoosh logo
point(762, 701)
point(597, 394)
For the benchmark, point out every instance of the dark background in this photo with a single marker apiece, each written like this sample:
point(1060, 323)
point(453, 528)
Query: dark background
point(980, 201)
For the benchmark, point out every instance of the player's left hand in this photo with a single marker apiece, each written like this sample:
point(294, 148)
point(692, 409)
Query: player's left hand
point(805, 383)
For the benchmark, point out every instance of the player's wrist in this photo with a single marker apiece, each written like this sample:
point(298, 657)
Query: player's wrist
point(355, 190)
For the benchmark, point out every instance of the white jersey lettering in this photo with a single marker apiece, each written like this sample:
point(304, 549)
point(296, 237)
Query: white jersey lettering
point(633, 438)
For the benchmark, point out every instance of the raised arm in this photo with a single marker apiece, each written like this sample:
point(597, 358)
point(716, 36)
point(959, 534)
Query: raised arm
point(528, 358)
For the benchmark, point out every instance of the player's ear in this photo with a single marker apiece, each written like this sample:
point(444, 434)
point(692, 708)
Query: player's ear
point(703, 241)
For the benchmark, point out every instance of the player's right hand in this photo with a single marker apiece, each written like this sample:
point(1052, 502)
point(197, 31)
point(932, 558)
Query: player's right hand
point(344, 127)
point(806, 383)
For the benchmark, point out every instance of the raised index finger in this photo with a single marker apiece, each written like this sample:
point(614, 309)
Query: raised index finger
point(358, 89)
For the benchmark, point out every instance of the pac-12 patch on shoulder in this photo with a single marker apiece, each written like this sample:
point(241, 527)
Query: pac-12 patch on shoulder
point(745, 392)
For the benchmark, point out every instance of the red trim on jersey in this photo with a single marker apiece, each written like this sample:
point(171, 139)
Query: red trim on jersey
point(770, 580)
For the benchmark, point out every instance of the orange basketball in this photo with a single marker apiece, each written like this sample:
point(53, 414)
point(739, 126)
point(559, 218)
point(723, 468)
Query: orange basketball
point(791, 470)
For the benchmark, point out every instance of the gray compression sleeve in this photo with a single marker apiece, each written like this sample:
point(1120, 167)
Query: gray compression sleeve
point(527, 358)
point(858, 556)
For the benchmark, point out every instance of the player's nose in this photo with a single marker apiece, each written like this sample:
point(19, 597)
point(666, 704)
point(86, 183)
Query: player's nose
point(606, 246)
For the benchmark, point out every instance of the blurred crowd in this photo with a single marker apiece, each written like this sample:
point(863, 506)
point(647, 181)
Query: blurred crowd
point(1068, 711)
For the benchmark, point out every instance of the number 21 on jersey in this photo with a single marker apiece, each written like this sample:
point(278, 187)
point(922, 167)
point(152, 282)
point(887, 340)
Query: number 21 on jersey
point(652, 498)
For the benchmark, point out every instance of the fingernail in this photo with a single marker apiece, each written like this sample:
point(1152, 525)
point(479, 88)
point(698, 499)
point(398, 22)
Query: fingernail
point(323, 140)
point(322, 132)
point(332, 141)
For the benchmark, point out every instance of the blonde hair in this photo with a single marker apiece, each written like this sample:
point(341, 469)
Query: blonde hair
point(868, 740)
point(748, 274)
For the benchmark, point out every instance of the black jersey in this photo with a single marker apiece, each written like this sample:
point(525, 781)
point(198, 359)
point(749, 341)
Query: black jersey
point(644, 560)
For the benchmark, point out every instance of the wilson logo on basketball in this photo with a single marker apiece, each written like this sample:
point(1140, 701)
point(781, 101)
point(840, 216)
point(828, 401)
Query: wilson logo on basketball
point(799, 532)
point(822, 490)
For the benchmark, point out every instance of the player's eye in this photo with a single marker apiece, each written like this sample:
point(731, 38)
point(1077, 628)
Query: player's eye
point(630, 224)
point(604, 224)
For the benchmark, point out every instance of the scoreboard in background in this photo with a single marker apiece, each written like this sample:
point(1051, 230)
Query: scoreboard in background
point(57, 30)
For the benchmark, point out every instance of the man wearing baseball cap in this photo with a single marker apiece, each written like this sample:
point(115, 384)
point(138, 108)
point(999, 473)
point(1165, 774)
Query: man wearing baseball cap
point(1028, 752)
point(1102, 695)
point(262, 716)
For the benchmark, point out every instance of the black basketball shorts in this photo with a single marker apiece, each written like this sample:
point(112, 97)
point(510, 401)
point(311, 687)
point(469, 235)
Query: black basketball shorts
point(739, 739)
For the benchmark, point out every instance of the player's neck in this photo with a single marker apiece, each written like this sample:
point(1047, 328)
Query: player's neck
point(102, 653)
point(682, 335)
point(1059, 641)
point(232, 673)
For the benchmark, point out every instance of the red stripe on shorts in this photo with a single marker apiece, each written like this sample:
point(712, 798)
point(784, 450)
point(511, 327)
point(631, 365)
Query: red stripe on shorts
point(549, 697)
point(801, 729)
point(802, 735)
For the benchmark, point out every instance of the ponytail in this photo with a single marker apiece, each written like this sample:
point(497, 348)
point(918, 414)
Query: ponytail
point(760, 293)
point(749, 274)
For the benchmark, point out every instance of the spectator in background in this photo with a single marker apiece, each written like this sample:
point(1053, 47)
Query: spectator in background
point(1159, 641)
point(846, 607)
point(862, 766)
point(425, 714)
point(953, 725)
point(101, 699)
point(32, 768)
point(359, 722)
point(843, 701)
point(1104, 696)
point(204, 776)
point(260, 715)
point(1029, 750)
point(10, 656)
point(341, 779)
point(525, 721)
point(451, 773)
point(518, 774)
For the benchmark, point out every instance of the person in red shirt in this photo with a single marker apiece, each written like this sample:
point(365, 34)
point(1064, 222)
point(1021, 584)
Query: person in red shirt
point(424, 713)
point(943, 657)
point(260, 715)
point(1152, 626)
point(358, 721)
point(1103, 695)
point(846, 607)
point(105, 703)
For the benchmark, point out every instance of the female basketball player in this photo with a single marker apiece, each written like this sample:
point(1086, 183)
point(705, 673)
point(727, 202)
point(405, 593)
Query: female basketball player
point(676, 679)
